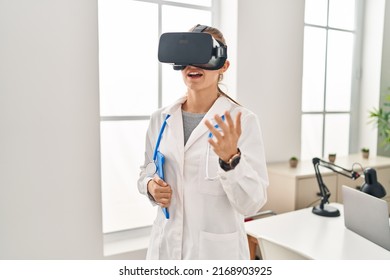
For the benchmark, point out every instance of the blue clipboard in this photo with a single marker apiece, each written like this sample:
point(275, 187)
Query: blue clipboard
point(160, 160)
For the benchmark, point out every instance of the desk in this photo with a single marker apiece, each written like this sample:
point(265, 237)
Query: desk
point(296, 188)
point(315, 237)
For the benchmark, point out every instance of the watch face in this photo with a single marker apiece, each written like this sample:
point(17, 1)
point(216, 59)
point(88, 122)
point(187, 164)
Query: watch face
point(232, 162)
point(235, 161)
point(225, 166)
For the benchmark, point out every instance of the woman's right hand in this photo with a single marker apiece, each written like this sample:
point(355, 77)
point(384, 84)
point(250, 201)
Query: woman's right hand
point(160, 191)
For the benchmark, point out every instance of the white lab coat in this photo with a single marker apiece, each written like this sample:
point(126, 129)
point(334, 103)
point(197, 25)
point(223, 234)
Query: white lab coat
point(206, 217)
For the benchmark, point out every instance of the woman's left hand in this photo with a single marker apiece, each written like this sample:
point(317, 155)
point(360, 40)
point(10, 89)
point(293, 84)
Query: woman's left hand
point(225, 142)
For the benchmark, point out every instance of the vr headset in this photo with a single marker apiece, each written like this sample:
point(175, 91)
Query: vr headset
point(192, 48)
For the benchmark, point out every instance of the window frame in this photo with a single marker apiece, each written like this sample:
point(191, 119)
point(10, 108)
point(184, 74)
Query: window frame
point(139, 235)
point(353, 112)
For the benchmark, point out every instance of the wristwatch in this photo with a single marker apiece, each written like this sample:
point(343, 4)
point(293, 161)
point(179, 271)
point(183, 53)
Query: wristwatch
point(232, 163)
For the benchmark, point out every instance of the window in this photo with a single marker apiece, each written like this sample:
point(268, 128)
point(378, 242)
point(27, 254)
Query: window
point(328, 81)
point(133, 84)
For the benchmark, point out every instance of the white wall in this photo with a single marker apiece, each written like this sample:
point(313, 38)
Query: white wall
point(371, 70)
point(269, 58)
point(50, 203)
point(228, 25)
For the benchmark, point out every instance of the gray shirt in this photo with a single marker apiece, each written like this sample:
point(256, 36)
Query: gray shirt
point(190, 121)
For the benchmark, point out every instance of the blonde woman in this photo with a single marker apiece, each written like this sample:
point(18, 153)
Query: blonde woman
point(215, 170)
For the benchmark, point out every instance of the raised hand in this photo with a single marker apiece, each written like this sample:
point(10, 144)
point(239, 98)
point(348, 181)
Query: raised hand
point(225, 142)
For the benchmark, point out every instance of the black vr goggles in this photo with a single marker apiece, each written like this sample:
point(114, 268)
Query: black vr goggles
point(192, 48)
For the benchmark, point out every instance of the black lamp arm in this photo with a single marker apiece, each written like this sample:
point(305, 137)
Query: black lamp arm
point(324, 191)
point(350, 173)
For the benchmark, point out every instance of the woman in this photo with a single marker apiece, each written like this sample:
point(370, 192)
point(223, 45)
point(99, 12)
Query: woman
point(215, 171)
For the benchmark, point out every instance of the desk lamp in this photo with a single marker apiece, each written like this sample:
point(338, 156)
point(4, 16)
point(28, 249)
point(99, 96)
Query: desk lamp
point(371, 186)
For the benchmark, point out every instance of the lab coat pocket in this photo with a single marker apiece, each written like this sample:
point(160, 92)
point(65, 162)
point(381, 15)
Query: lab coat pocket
point(218, 246)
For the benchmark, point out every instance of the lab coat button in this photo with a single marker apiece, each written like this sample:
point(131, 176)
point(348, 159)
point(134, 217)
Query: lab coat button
point(223, 177)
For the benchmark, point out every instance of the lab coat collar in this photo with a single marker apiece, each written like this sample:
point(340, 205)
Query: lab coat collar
point(175, 128)
point(219, 107)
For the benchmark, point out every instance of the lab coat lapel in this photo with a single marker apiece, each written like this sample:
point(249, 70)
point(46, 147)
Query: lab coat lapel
point(175, 128)
point(175, 142)
point(175, 124)
point(219, 107)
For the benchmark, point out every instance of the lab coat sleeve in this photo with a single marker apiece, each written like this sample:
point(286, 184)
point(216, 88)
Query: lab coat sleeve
point(246, 185)
point(143, 177)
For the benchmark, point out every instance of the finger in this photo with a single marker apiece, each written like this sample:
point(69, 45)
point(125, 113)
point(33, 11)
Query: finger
point(164, 200)
point(229, 119)
point(208, 124)
point(162, 197)
point(165, 197)
point(159, 181)
point(159, 196)
point(165, 189)
point(164, 203)
point(213, 143)
point(238, 123)
point(213, 130)
point(221, 124)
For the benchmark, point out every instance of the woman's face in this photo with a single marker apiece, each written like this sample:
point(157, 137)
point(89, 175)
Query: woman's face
point(198, 79)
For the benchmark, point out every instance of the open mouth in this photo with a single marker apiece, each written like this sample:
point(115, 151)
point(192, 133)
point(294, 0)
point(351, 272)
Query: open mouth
point(194, 74)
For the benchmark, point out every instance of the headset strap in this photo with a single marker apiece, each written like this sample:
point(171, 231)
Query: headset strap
point(199, 28)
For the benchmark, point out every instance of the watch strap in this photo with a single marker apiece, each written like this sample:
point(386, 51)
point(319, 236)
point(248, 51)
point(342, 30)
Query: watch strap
point(232, 163)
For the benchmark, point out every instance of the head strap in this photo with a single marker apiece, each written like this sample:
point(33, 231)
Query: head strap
point(199, 28)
